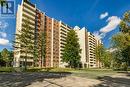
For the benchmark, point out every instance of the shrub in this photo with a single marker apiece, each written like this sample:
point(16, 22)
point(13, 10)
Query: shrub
point(6, 69)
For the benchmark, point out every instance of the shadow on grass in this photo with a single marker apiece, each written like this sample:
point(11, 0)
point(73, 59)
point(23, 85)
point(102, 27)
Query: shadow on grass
point(26, 78)
point(108, 81)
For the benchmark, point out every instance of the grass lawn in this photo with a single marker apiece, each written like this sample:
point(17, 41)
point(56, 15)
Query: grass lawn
point(94, 73)
point(89, 73)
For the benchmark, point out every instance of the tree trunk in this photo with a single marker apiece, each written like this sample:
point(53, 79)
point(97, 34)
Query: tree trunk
point(26, 61)
point(41, 58)
point(98, 63)
point(6, 64)
point(127, 63)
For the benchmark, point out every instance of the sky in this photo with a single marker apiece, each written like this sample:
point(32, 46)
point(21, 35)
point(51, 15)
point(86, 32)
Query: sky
point(101, 17)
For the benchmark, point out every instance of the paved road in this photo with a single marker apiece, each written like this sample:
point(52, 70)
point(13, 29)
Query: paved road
point(25, 79)
point(69, 81)
point(61, 80)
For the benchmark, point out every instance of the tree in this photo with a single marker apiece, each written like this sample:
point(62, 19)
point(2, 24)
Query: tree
point(25, 41)
point(2, 62)
point(103, 56)
point(116, 59)
point(107, 59)
point(125, 23)
point(11, 57)
point(0, 56)
point(5, 56)
point(126, 27)
point(71, 52)
point(121, 42)
point(99, 51)
point(41, 47)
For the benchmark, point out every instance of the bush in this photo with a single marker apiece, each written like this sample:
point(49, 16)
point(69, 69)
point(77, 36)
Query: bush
point(6, 69)
point(129, 69)
point(33, 70)
point(120, 69)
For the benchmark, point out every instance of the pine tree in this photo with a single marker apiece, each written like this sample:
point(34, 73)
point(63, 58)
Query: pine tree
point(71, 52)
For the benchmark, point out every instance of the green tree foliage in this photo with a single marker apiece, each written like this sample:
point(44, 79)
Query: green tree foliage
point(0, 56)
point(25, 41)
point(125, 23)
point(121, 41)
point(5, 56)
point(41, 47)
point(116, 59)
point(11, 57)
point(99, 54)
point(1, 60)
point(71, 53)
point(107, 59)
point(103, 56)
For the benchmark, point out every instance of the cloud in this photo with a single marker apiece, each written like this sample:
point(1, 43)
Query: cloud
point(3, 24)
point(113, 22)
point(99, 35)
point(4, 41)
point(3, 34)
point(102, 16)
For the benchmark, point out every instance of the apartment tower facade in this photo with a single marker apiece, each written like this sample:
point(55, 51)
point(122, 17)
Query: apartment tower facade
point(55, 33)
point(64, 28)
point(91, 50)
point(26, 11)
point(88, 43)
point(52, 42)
point(39, 37)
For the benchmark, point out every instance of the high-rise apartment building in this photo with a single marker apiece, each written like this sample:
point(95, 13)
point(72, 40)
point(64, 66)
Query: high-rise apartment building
point(82, 35)
point(91, 50)
point(88, 43)
point(26, 11)
point(98, 63)
point(64, 28)
point(52, 42)
point(39, 36)
point(55, 32)
point(55, 39)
